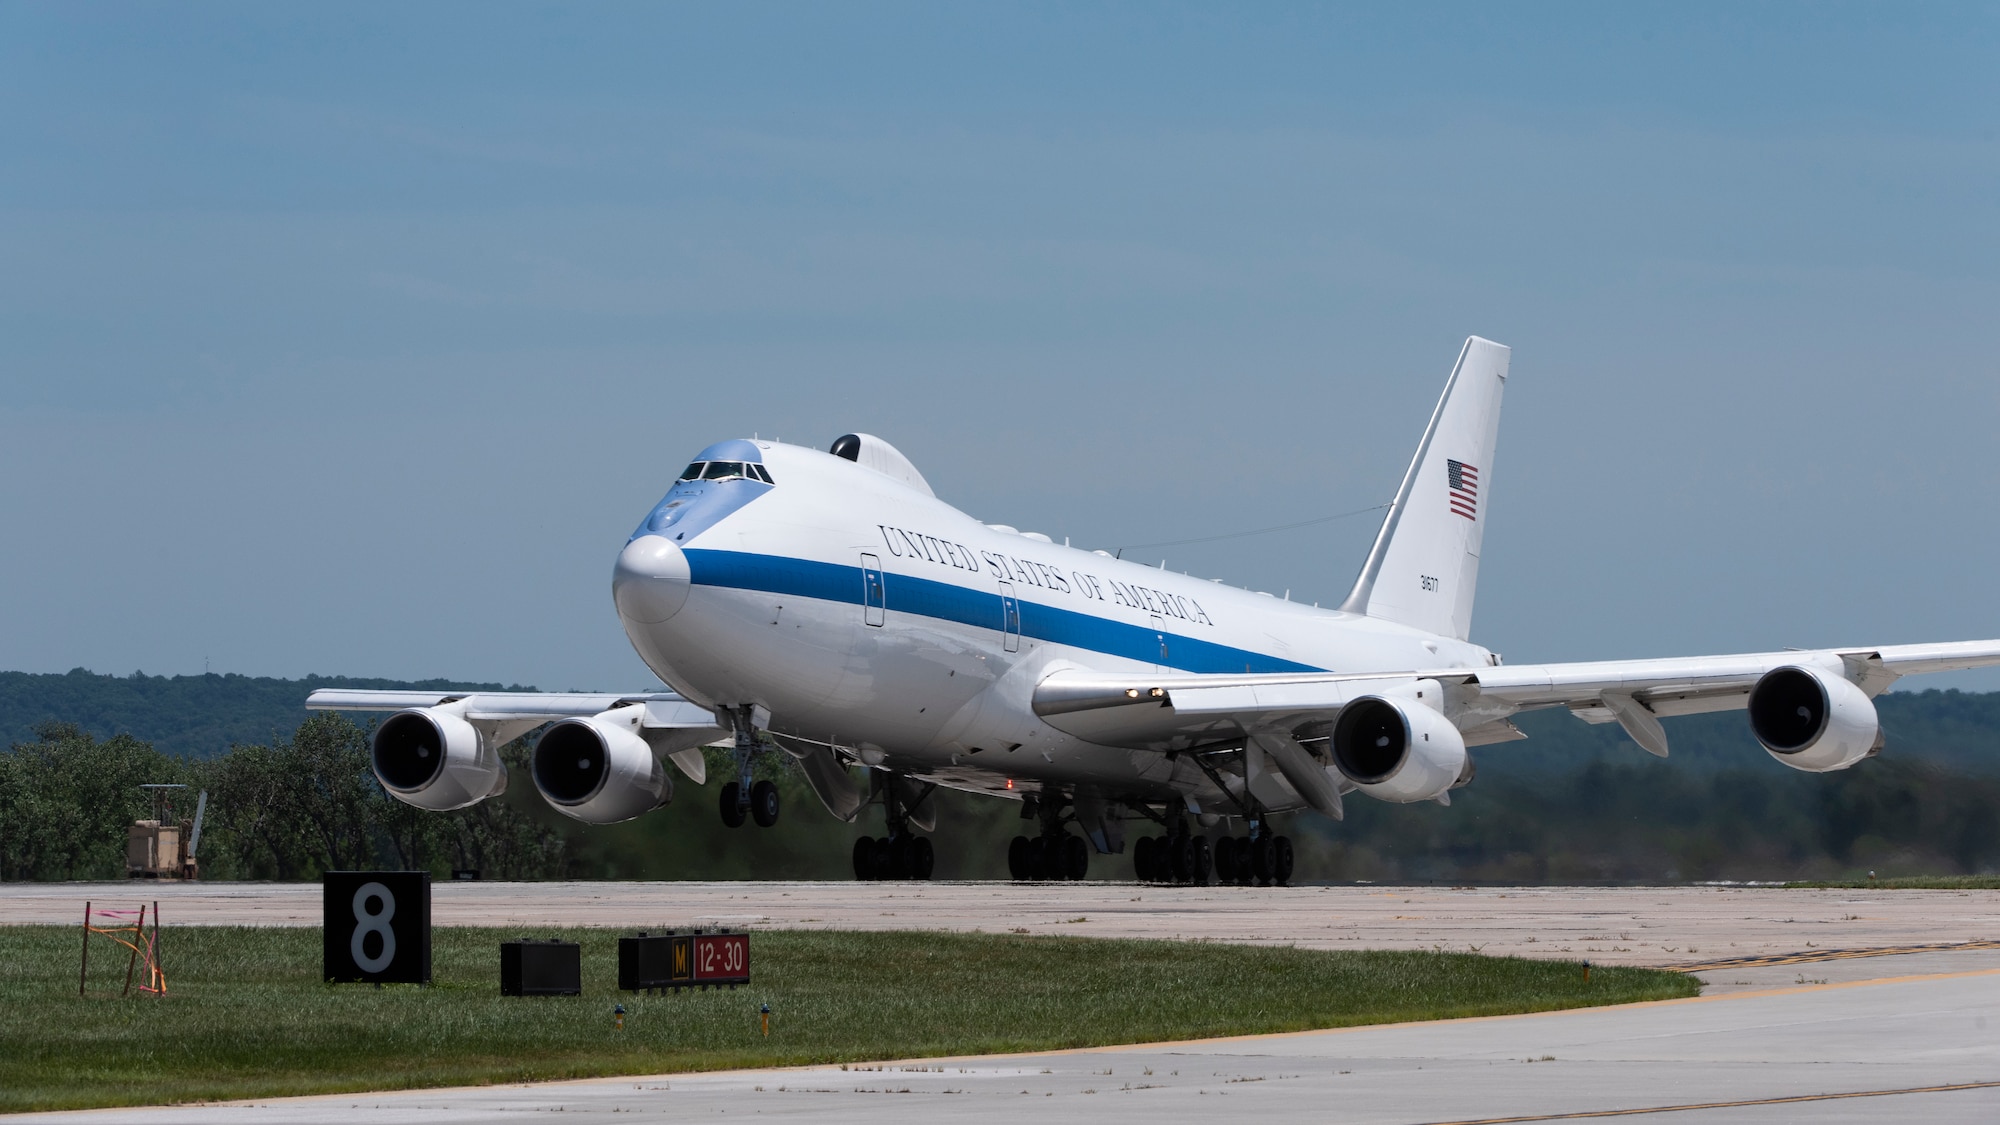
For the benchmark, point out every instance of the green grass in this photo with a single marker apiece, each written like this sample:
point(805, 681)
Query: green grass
point(247, 1015)
point(1906, 883)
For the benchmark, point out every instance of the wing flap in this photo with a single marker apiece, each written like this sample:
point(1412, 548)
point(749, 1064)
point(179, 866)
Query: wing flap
point(1911, 660)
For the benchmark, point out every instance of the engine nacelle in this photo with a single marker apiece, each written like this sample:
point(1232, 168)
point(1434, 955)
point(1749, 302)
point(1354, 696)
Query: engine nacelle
point(599, 770)
point(1398, 751)
point(433, 759)
point(1813, 720)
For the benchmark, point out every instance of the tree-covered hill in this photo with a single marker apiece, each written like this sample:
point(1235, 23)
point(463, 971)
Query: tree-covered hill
point(1572, 802)
point(182, 716)
point(1954, 730)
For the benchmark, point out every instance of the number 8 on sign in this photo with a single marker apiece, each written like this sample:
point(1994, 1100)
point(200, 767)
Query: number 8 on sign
point(370, 922)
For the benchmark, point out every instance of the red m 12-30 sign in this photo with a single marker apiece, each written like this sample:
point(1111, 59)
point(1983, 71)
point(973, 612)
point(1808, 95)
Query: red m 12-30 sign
point(722, 959)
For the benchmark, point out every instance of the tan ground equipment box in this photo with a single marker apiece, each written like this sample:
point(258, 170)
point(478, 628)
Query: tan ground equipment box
point(163, 848)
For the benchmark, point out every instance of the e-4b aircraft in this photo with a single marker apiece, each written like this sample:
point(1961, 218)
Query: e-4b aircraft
point(830, 606)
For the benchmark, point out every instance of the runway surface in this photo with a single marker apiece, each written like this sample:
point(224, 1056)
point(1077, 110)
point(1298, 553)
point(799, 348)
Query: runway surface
point(1664, 926)
point(1903, 1049)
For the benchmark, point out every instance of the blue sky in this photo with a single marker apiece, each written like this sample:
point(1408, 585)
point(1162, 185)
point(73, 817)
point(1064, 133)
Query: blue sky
point(355, 340)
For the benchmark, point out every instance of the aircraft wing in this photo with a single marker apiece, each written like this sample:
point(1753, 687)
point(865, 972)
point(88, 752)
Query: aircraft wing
point(1174, 711)
point(664, 709)
point(673, 726)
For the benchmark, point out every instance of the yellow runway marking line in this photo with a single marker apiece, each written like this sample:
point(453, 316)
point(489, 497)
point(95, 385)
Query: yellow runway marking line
point(1691, 1106)
point(1829, 955)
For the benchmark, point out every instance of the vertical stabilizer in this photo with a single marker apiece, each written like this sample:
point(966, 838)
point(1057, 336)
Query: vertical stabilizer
point(1424, 567)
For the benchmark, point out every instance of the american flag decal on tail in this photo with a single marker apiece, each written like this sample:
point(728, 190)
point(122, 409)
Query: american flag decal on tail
point(1464, 493)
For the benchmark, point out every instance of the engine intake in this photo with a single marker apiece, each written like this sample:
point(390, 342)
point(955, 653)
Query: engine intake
point(599, 770)
point(1397, 751)
point(1812, 720)
point(434, 759)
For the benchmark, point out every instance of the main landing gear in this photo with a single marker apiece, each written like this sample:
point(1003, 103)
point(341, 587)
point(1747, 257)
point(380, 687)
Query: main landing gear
point(1054, 853)
point(757, 800)
point(902, 854)
point(1260, 857)
point(893, 857)
point(1177, 857)
point(1182, 857)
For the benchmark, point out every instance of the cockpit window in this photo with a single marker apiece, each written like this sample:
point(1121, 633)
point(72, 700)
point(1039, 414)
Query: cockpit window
point(727, 470)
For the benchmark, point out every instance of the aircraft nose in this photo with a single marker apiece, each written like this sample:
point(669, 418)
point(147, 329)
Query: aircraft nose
point(650, 581)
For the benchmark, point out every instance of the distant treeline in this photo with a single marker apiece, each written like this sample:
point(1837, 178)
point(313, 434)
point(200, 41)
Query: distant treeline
point(1574, 802)
point(185, 716)
point(290, 809)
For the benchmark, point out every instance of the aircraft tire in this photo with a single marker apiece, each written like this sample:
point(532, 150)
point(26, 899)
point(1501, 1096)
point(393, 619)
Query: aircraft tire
point(1076, 858)
point(1038, 858)
point(897, 854)
point(1203, 861)
point(1142, 859)
point(1182, 850)
point(731, 806)
point(1224, 853)
point(1281, 869)
point(1017, 860)
point(1263, 859)
point(923, 858)
point(764, 803)
point(864, 858)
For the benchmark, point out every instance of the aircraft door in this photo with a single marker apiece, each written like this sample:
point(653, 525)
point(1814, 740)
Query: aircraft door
point(874, 596)
point(1010, 618)
point(1160, 635)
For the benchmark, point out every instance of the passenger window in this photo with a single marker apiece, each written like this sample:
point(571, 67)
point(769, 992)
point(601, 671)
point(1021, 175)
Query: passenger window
point(693, 471)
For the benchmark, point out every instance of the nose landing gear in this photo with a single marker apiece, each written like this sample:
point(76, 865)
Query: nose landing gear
point(764, 803)
point(756, 800)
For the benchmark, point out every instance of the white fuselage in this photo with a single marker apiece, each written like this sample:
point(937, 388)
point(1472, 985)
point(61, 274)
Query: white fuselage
point(864, 614)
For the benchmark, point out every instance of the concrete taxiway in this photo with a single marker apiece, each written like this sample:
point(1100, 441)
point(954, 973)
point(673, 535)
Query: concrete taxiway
point(1901, 1049)
point(1839, 1005)
point(1664, 926)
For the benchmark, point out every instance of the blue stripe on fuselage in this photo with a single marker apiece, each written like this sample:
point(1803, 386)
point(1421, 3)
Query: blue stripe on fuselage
point(832, 582)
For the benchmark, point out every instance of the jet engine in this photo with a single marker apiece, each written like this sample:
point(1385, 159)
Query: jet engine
point(599, 770)
point(433, 759)
point(1813, 720)
point(1398, 751)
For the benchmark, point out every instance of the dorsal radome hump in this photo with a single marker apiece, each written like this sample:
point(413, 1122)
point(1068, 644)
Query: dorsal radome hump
point(872, 452)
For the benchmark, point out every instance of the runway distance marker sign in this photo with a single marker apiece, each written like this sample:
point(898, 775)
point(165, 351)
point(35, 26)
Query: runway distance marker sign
point(376, 927)
point(675, 960)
